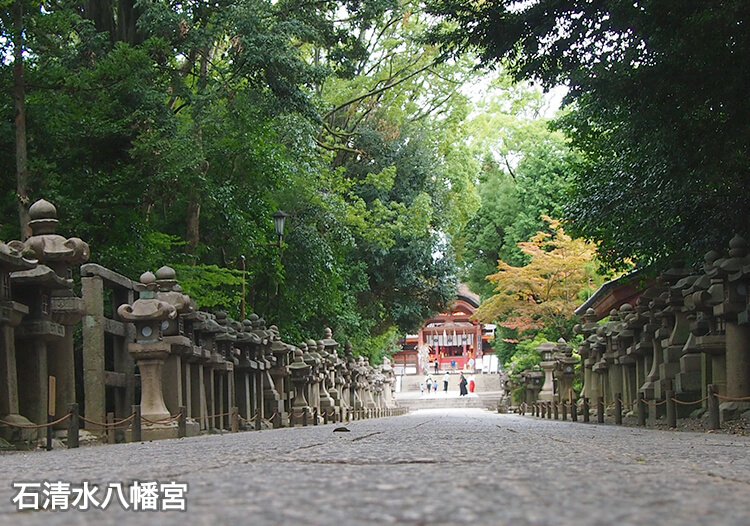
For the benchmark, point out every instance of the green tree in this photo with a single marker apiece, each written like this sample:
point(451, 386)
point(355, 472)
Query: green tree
point(545, 292)
point(658, 109)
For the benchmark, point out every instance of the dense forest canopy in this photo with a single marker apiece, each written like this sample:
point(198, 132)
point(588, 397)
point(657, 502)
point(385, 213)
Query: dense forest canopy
point(658, 111)
point(169, 132)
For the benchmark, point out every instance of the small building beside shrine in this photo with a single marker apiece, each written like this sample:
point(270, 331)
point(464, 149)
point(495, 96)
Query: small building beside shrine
point(449, 341)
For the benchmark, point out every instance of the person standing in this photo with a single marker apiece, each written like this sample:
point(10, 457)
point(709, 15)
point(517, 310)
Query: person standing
point(462, 385)
point(428, 381)
point(446, 378)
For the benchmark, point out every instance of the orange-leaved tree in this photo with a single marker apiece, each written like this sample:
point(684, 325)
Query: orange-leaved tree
point(546, 291)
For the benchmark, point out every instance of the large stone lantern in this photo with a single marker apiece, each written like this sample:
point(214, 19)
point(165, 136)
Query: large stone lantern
point(67, 309)
point(546, 351)
point(11, 313)
point(150, 351)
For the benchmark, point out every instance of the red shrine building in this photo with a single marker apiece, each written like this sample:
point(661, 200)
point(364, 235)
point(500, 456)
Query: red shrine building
point(450, 339)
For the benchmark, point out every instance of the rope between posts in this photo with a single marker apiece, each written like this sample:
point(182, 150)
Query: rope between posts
point(625, 404)
point(37, 426)
point(690, 403)
point(270, 419)
point(217, 416)
point(732, 399)
point(162, 420)
point(106, 424)
point(653, 403)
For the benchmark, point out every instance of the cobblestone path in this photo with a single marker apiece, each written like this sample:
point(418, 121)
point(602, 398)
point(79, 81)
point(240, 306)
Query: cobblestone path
point(432, 467)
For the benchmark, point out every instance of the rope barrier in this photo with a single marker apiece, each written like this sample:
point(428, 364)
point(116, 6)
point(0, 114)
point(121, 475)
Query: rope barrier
point(690, 403)
point(37, 426)
point(162, 420)
point(216, 416)
point(106, 424)
point(653, 403)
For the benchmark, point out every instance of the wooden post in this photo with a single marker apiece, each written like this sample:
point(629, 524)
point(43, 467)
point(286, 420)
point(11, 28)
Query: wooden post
point(73, 426)
point(304, 417)
point(325, 417)
point(182, 422)
point(600, 410)
point(234, 425)
point(671, 410)
point(315, 416)
point(277, 421)
point(618, 409)
point(549, 410)
point(292, 417)
point(258, 419)
point(641, 410)
point(564, 410)
point(714, 420)
point(50, 409)
point(573, 411)
point(586, 410)
point(135, 435)
point(555, 411)
point(110, 428)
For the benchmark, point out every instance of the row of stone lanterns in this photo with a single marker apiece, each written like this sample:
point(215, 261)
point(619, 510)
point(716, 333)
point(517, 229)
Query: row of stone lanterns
point(204, 368)
point(688, 331)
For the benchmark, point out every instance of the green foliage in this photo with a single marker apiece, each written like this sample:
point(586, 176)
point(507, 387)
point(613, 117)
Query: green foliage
point(658, 109)
point(213, 288)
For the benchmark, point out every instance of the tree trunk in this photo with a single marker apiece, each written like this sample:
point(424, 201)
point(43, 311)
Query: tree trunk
point(193, 223)
point(19, 101)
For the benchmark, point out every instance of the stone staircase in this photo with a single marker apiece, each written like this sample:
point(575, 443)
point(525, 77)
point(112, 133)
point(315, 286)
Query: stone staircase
point(484, 401)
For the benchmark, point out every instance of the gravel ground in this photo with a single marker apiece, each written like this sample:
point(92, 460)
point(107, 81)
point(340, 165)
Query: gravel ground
point(442, 466)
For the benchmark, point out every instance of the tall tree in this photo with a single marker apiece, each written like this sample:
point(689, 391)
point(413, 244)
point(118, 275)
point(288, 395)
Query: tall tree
point(659, 110)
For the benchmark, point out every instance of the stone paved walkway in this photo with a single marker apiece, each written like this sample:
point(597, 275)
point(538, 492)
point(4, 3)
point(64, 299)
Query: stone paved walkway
point(438, 467)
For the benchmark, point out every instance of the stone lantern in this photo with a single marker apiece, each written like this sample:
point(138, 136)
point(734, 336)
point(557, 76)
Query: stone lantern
point(330, 345)
point(735, 290)
point(327, 403)
point(298, 372)
point(11, 313)
point(565, 364)
point(67, 309)
point(532, 380)
point(546, 350)
point(388, 381)
point(316, 362)
point(150, 352)
point(282, 353)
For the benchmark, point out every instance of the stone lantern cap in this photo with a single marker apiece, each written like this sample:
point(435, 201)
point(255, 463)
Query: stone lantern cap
point(168, 290)
point(46, 245)
point(39, 276)
point(147, 307)
point(328, 340)
point(12, 260)
point(298, 365)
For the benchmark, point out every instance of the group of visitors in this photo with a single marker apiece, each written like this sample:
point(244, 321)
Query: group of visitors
point(464, 386)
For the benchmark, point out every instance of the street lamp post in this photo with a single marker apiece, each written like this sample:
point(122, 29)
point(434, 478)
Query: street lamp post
point(279, 218)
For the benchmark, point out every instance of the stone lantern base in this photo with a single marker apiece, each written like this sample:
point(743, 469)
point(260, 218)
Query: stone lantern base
point(156, 432)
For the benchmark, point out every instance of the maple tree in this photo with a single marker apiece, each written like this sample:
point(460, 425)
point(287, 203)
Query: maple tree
point(546, 291)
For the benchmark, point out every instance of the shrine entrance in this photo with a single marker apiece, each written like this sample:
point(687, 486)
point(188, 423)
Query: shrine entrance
point(450, 341)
